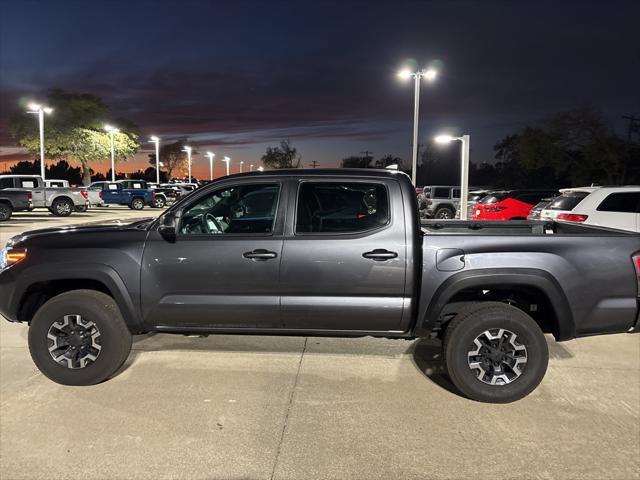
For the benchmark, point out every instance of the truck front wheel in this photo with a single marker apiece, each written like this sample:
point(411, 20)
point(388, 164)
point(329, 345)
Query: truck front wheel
point(495, 353)
point(79, 338)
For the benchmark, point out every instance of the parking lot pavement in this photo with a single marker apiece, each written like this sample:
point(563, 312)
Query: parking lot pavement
point(248, 407)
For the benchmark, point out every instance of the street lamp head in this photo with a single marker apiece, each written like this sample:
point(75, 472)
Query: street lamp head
point(111, 129)
point(430, 74)
point(226, 159)
point(187, 149)
point(210, 154)
point(34, 106)
point(444, 139)
point(260, 169)
point(405, 74)
point(154, 139)
point(47, 110)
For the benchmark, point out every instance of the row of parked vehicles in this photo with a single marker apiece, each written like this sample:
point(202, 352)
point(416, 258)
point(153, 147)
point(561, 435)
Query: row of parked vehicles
point(613, 207)
point(27, 192)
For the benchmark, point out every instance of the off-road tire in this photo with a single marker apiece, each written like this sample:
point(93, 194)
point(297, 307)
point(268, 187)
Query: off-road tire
point(97, 307)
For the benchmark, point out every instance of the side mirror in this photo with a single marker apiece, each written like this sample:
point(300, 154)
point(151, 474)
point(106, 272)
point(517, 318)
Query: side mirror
point(168, 227)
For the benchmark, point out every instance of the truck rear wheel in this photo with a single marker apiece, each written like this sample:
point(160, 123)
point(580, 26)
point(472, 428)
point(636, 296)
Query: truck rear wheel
point(444, 213)
point(159, 202)
point(5, 212)
point(79, 338)
point(62, 207)
point(495, 353)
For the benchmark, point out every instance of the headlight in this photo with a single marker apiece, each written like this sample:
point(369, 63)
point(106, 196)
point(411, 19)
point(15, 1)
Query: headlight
point(10, 256)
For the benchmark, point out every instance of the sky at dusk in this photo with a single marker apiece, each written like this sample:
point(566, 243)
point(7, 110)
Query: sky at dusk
point(235, 77)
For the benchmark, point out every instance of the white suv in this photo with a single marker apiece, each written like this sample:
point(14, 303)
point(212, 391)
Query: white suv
point(613, 207)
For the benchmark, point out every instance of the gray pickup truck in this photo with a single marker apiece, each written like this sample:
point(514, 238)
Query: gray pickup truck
point(60, 201)
point(12, 200)
point(321, 252)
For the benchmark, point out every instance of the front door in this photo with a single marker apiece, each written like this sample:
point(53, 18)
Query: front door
point(345, 258)
point(222, 270)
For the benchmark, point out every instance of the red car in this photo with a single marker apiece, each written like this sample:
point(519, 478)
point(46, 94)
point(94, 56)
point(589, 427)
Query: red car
point(509, 204)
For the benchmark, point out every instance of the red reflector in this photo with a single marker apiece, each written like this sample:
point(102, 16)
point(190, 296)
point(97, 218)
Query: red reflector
point(572, 217)
point(360, 216)
point(29, 196)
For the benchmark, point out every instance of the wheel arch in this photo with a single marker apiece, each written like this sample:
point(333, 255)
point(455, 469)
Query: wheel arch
point(534, 285)
point(38, 287)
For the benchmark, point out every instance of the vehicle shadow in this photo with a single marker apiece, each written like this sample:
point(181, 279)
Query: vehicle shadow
point(428, 358)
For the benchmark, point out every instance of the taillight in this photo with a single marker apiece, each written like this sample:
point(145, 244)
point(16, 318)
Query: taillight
point(29, 196)
point(101, 195)
point(636, 264)
point(572, 217)
point(494, 208)
point(361, 215)
point(85, 194)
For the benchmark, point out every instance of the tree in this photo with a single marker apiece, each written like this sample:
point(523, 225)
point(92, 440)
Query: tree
point(172, 156)
point(75, 131)
point(387, 160)
point(355, 161)
point(284, 156)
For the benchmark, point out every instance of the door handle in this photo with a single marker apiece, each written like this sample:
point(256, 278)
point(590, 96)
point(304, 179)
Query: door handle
point(260, 254)
point(380, 255)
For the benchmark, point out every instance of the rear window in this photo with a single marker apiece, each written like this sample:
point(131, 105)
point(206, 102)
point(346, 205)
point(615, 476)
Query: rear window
point(623, 202)
point(27, 183)
point(567, 201)
point(493, 198)
point(6, 182)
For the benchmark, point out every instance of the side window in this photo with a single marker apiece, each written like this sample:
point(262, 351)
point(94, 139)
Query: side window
point(341, 207)
point(455, 193)
point(243, 209)
point(112, 186)
point(624, 202)
point(6, 182)
point(441, 193)
point(24, 183)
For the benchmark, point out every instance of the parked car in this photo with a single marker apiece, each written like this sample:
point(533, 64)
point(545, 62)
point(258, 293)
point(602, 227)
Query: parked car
point(114, 193)
point(535, 212)
point(509, 204)
point(613, 207)
point(60, 201)
point(565, 202)
point(12, 200)
point(159, 195)
point(474, 197)
point(93, 198)
point(323, 252)
point(441, 202)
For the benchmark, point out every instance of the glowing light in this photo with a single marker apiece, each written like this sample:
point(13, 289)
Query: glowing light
point(444, 139)
point(404, 74)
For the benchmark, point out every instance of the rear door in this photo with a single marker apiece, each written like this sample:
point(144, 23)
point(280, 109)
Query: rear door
point(344, 258)
point(37, 192)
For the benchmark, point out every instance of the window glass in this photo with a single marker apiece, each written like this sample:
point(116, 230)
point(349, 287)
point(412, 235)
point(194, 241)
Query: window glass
point(341, 207)
point(493, 198)
point(112, 186)
point(137, 185)
point(567, 201)
point(27, 183)
point(244, 209)
point(455, 193)
point(6, 182)
point(625, 202)
point(441, 193)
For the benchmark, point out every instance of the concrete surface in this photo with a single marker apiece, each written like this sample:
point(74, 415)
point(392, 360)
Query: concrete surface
point(248, 407)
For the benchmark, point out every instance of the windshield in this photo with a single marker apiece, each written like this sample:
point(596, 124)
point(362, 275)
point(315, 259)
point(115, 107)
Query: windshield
point(493, 198)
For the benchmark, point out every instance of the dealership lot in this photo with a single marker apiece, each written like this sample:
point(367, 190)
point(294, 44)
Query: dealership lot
point(296, 408)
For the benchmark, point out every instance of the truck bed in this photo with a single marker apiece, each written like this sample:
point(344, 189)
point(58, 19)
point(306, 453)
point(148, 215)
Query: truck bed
point(516, 227)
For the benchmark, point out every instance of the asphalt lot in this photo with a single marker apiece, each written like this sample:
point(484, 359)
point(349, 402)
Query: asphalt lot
point(247, 407)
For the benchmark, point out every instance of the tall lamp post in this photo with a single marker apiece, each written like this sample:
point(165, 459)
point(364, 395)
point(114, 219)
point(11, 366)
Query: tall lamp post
point(40, 110)
point(251, 167)
point(188, 150)
point(227, 160)
point(241, 164)
point(210, 155)
point(429, 75)
point(464, 169)
point(112, 131)
point(156, 140)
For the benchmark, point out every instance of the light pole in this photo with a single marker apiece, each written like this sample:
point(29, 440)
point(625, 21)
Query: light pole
point(188, 150)
point(251, 167)
point(241, 164)
point(156, 140)
point(227, 160)
point(464, 169)
point(210, 155)
point(112, 131)
point(429, 75)
point(40, 111)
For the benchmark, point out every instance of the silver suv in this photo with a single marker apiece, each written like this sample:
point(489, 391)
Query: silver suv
point(439, 201)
